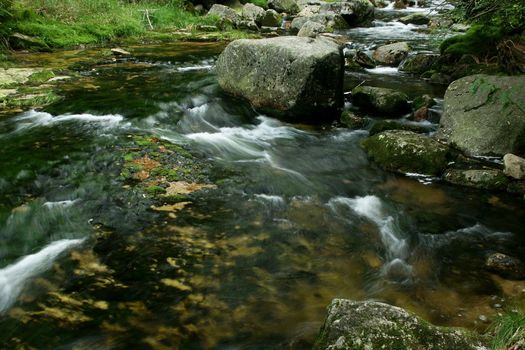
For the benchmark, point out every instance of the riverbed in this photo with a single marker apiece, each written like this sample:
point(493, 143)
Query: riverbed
point(297, 215)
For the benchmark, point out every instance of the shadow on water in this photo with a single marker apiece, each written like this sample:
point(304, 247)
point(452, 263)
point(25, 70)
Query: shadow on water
point(301, 218)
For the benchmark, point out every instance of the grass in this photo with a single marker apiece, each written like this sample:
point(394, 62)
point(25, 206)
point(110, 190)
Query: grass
point(71, 23)
point(509, 331)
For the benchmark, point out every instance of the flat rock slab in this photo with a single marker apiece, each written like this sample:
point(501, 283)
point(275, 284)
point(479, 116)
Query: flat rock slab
point(294, 78)
point(364, 325)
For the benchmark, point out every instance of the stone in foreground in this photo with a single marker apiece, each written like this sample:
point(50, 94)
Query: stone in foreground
point(407, 152)
point(485, 115)
point(291, 77)
point(352, 325)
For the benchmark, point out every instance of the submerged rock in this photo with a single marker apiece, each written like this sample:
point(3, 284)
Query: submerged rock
point(484, 115)
point(364, 325)
point(514, 166)
point(383, 100)
point(292, 77)
point(487, 179)
point(407, 152)
point(506, 266)
point(391, 54)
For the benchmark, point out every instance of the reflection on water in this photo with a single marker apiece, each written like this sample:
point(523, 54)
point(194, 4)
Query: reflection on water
point(299, 217)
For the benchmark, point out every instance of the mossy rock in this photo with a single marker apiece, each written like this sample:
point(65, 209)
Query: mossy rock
point(383, 100)
point(487, 179)
point(478, 40)
point(352, 121)
point(384, 125)
point(407, 152)
point(352, 325)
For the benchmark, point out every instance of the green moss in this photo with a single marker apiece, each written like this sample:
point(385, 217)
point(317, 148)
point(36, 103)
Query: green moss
point(154, 190)
point(40, 77)
point(508, 330)
point(384, 125)
point(478, 40)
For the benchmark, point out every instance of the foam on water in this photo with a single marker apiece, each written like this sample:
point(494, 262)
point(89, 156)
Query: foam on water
point(14, 277)
point(32, 119)
point(371, 208)
point(60, 204)
point(271, 199)
point(383, 70)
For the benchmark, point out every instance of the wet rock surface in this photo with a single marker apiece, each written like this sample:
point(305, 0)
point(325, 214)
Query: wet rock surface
point(381, 100)
point(407, 152)
point(506, 266)
point(484, 115)
point(352, 325)
point(292, 77)
point(391, 54)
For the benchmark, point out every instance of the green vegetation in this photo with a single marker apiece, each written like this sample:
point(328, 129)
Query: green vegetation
point(509, 15)
point(478, 40)
point(509, 332)
point(44, 24)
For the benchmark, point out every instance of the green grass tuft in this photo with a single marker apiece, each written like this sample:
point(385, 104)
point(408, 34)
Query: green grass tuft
point(509, 330)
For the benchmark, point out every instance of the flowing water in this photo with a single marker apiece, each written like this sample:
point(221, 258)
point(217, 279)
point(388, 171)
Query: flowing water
point(299, 217)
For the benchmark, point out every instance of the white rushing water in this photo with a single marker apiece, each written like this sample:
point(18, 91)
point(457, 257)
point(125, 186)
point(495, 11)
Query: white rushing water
point(371, 208)
point(14, 277)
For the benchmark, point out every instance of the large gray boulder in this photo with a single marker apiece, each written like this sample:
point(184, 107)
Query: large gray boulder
point(292, 77)
point(485, 115)
point(225, 13)
point(407, 152)
point(365, 325)
point(390, 102)
point(391, 54)
point(288, 6)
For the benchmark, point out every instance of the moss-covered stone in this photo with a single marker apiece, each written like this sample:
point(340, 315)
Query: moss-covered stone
point(407, 152)
point(487, 179)
point(352, 325)
point(384, 125)
point(418, 63)
point(352, 121)
point(383, 100)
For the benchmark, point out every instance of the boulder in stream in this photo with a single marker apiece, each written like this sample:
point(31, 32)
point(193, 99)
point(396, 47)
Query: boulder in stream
point(253, 12)
point(415, 18)
point(382, 100)
point(289, 77)
point(486, 179)
point(225, 13)
point(418, 63)
point(514, 166)
point(288, 6)
point(506, 266)
point(362, 325)
point(311, 29)
point(407, 152)
point(391, 54)
point(485, 115)
point(271, 19)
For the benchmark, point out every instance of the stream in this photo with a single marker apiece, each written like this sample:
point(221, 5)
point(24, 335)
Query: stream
point(299, 216)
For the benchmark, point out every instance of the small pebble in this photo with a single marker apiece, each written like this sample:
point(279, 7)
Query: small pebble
point(483, 318)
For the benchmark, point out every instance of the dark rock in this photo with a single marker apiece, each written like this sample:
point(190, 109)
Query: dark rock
point(418, 63)
point(423, 113)
point(423, 101)
point(383, 100)
point(484, 115)
point(365, 325)
point(292, 77)
point(506, 266)
point(407, 152)
point(271, 19)
point(487, 179)
point(384, 125)
point(391, 54)
point(352, 121)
